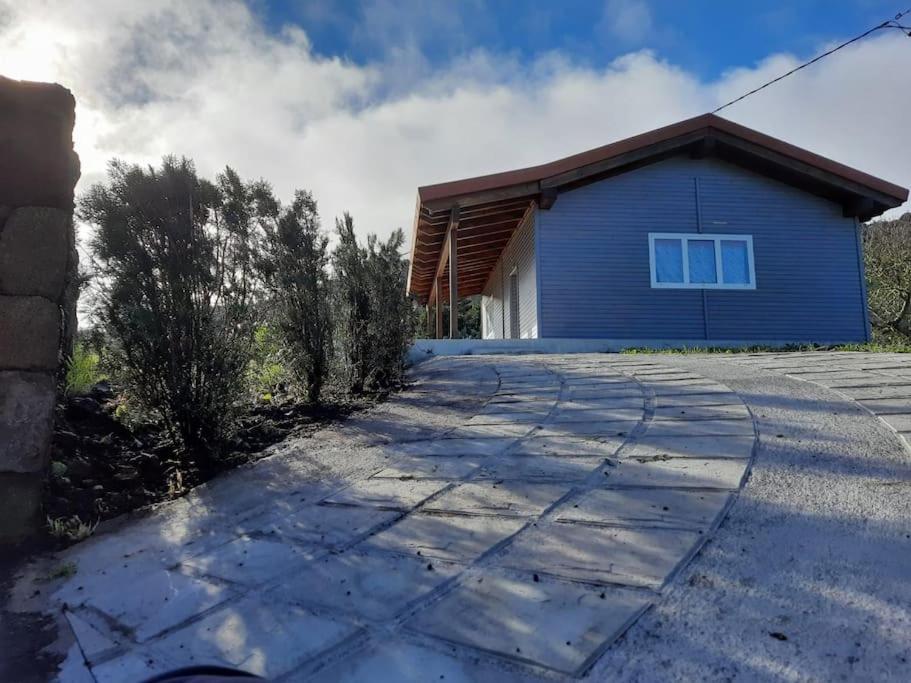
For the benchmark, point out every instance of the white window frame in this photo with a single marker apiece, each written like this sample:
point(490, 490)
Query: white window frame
point(685, 238)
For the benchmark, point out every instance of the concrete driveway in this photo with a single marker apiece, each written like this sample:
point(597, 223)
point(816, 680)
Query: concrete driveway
point(538, 517)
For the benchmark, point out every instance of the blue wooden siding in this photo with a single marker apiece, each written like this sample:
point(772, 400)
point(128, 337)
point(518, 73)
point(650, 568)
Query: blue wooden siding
point(593, 259)
point(519, 254)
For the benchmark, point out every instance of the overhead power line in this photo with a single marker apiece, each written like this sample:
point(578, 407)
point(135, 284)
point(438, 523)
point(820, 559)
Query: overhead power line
point(895, 22)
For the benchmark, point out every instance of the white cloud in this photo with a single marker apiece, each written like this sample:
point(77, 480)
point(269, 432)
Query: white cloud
point(629, 21)
point(206, 80)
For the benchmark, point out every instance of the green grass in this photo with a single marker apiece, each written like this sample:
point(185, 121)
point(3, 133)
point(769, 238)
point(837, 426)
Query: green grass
point(70, 528)
point(266, 371)
point(63, 571)
point(82, 371)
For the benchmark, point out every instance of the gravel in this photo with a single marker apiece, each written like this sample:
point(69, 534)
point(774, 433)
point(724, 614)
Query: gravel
point(807, 578)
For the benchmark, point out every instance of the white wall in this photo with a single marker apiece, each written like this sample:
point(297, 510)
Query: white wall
point(519, 254)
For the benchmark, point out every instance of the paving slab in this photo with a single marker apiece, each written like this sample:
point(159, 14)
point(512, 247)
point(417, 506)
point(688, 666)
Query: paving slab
point(688, 428)
point(554, 624)
point(867, 380)
point(94, 636)
point(711, 399)
point(732, 411)
point(516, 418)
point(689, 387)
point(252, 561)
point(255, 636)
point(323, 525)
point(136, 665)
point(671, 381)
point(888, 406)
point(884, 391)
point(629, 556)
point(459, 538)
point(608, 381)
point(538, 468)
point(374, 585)
point(158, 601)
point(500, 408)
point(645, 507)
point(489, 431)
point(437, 467)
point(603, 403)
point(403, 662)
point(652, 375)
point(724, 473)
point(899, 422)
point(651, 446)
point(824, 377)
point(507, 400)
point(505, 498)
point(452, 446)
point(389, 494)
point(588, 429)
point(585, 392)
point(568, 445)
point(597, 415)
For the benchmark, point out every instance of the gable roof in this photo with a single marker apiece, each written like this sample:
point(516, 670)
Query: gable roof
point(491, 206)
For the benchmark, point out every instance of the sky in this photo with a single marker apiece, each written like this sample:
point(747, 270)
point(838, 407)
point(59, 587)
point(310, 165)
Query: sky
point(362, 102)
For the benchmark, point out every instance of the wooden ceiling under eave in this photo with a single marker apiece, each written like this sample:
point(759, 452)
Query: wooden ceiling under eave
point(483, 232)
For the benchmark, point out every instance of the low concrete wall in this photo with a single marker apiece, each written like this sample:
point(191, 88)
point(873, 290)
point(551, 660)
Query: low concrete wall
point(38, 172)
point(422, 349)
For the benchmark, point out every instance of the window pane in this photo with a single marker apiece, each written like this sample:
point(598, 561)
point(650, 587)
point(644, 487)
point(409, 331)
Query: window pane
point(668, 260)
point(702, 261)
point(735, 265)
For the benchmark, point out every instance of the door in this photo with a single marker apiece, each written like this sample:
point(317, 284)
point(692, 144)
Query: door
point(513, 305)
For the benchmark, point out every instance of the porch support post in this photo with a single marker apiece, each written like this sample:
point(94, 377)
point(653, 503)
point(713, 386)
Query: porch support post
point(428, 321)
point(438, 289)
point(453, 274)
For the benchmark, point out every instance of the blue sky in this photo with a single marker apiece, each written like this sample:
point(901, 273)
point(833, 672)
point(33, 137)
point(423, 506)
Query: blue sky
point(705, 37)
point(362, 102)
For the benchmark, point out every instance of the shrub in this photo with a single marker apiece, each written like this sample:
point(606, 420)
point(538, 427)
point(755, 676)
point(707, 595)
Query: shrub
point(887, 257)
point(81, 371)
point(293, 268)
point(391, 321)
point(173, 259)
point(351, 306)
point(374, 317)
point(70, 529)
point(266, 373)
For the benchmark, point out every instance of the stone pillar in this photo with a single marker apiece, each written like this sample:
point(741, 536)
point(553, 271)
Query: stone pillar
point(38, 172)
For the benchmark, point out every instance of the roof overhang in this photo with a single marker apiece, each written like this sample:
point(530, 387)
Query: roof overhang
point(491, 207)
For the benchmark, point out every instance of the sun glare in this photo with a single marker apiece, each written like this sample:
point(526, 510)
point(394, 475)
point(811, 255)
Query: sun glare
point(33, 53)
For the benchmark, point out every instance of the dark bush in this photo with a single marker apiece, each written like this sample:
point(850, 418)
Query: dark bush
point(293, 266)
point(887, 257)
point(373, 315)
point(174, 271)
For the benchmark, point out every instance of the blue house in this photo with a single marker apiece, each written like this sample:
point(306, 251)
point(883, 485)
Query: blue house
point(703, 232)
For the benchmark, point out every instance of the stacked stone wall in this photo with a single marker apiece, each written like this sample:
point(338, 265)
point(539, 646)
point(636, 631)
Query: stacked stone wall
point(38, 173)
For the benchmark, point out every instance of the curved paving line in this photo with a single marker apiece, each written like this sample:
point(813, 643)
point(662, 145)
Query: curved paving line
point(487, 560)
point(903, 438)
point(874, 373)
point(671, 585)
point(372, 631)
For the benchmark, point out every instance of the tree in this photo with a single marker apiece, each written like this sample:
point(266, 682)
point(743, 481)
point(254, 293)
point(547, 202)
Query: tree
point(887, 257)
point(374, 316)
point(173, 261)
point(293, 267)
point(470, 318)
point(391, 323)
point(352, 306)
